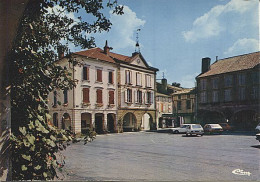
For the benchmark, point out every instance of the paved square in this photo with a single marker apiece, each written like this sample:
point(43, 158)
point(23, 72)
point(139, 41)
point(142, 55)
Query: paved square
point(164, 157)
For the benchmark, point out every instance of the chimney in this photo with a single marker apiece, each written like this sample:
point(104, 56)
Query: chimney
point(106, 48)
point(205, 64)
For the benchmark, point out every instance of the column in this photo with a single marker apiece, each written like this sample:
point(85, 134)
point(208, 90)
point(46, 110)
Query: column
point(105, 122)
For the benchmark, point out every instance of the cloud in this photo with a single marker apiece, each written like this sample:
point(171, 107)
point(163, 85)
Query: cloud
point(243, 46)
point(188, 81)
point(209, 25)
point(123, 28)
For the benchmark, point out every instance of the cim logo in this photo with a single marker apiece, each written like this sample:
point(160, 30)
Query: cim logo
point(241, 172)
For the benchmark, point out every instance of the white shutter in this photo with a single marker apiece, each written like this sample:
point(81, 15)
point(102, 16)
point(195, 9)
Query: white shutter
point(152, 98)
point(135, 96)
point(144, 97)
point(125, 95)
point(130, 77)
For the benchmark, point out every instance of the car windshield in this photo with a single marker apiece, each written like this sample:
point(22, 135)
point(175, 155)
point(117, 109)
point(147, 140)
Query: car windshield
point(215, 125)
point(184, 126)
point(196, 126)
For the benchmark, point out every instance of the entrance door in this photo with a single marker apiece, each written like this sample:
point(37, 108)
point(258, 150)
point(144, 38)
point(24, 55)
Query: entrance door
point(99, 123)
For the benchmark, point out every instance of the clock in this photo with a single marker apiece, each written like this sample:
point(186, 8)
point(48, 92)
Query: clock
point(138, 61)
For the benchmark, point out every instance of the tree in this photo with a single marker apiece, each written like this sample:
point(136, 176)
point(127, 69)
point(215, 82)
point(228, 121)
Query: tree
point(176, 84)
point(45, 30)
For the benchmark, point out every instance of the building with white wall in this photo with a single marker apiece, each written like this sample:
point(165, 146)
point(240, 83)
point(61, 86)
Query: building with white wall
point(113, 93)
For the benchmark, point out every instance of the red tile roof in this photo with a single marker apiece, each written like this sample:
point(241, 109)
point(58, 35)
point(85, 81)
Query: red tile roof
point(232, 64)
point(97, 53)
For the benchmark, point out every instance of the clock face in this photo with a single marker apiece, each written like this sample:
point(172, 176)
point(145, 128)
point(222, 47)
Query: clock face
point(138, 61)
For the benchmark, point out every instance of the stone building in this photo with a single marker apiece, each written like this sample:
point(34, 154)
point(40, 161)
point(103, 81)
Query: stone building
point(184, 106)
point(164, 104)
point(228, 91)
point(113, 93)
point(136, 93)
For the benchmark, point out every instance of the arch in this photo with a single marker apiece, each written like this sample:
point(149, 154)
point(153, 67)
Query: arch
point(99, 123)
point(66, 122)
point(55, 119)
point(245, 120)
point(111, 122)
point(147, 120)
point(129, 122)
point(86, 123)
point(211, 117)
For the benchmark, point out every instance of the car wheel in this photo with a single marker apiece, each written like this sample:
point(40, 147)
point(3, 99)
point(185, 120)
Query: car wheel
point(201, 135)
point(187, 134)
point(176, 131)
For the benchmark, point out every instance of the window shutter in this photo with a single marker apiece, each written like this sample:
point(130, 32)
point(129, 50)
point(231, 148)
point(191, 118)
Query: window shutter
point(99, 75)
point(112, 77)
point(126, 76)
point(125, 95)
point(136, 96)
point(99, 96)
point(111, 97)
point(86, 95)
point(144, 98)
point(151, 97)
point(130, 77)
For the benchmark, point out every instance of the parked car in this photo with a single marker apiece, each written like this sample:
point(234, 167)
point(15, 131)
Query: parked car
point(226, 126)
point(257, 129)
point(181, 129)
point(194, 129)
point(258, 136)
point(213, 128)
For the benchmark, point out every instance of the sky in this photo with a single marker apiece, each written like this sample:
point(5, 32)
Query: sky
point(176, 34)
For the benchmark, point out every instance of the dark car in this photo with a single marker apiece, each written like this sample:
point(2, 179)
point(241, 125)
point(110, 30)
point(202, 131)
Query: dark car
point(226, 126)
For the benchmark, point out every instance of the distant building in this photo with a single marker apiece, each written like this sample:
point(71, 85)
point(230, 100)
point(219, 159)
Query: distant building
point(164, 104)
point(184, 105)
point(114, 93)
point(228, 91)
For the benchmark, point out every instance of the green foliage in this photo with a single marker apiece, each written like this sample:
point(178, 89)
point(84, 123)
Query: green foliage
point(41, 34)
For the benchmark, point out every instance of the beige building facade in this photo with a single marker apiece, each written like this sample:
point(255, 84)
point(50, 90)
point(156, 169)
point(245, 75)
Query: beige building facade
point(114, 93)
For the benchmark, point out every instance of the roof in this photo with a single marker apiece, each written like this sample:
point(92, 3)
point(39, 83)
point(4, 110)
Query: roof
point(232, 64)
point(162, 95)
point(184, 91)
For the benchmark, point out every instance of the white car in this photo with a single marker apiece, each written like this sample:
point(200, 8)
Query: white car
point(194, 129)
point(257, 137)
point(257, 129)
point(181, 129)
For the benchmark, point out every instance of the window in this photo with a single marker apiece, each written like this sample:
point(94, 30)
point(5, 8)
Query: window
point(99, 96)
point(228, 80)
point(203, 97)
point(111, 97)
point(169, 108)
point(128, 96)
point(99, 75)
point(138, 79)
point(188, 104)
point(148, 80)
point(128, 77)
point(215, 83)
point(54, 98)
point(241, 79)
point(203, 84)
point(65, 93)
point(255, 92)
point(139, 97)
point(227, 95)
point(179, 96)
point(149, 97)
point(111, 77)
point(255, 77)
point(85, 73)
point(55, 119)
point(242, 94)
point(85, 95)
point(215, 96)
point(179, 105)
